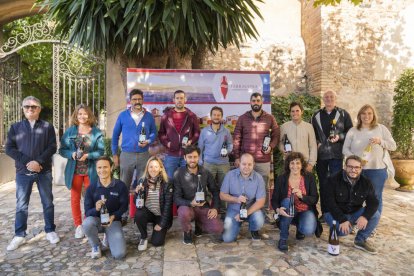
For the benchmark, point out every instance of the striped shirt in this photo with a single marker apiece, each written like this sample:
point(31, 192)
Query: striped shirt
point(153, 201)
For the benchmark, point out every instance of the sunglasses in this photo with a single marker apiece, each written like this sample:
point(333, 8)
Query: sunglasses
point(31, 106)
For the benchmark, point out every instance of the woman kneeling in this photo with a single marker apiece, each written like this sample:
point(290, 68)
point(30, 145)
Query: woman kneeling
point(156, 204)
point(298, 185)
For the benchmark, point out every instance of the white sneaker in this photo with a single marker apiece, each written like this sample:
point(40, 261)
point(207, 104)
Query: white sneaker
point(52, 237)
point(15, 243)
point(96, 252)
point(105, 241)
point(79, 232)
point(143, 244)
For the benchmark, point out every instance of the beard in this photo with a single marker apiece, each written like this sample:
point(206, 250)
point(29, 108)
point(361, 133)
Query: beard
point(256, 107)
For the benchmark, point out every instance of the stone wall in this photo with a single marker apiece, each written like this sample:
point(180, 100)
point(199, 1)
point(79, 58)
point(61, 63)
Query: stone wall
point(364, 49)
point(279, 49)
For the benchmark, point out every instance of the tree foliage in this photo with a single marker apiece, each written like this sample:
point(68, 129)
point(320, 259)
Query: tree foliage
point(403, 121)
point(317, 3)
point(144, 27)
point(36, 65)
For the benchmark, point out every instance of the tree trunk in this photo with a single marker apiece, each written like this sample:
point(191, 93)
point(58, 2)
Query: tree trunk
point(199, 58)
point(176, 60)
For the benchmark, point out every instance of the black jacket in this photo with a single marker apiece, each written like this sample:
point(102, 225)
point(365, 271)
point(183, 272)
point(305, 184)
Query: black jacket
point(342, 198)
point(166, 201)
point(25, 144)
point(321, 122)
point(280, 191)
point(185, 187)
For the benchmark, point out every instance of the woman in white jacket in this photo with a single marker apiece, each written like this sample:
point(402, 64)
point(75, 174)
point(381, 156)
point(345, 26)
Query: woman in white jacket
point(369, 140)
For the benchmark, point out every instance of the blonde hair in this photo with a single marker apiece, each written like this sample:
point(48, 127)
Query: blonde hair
point(374, 122)
point(91, 117)
point(163, 172)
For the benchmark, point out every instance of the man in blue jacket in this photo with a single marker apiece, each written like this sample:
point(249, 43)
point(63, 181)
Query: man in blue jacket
point(134, 151)
point(32, 143)
point(215, 144)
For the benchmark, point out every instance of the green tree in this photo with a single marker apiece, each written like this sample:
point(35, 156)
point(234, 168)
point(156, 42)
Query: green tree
point(334, 2)
point(154, 34)
point(36, 65)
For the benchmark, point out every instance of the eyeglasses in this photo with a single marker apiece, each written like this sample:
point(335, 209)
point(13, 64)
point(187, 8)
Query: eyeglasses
point(31, 106)
point(356, 168)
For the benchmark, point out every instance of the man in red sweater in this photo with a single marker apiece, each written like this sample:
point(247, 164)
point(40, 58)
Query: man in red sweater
point(179, 128)
point(251, 129)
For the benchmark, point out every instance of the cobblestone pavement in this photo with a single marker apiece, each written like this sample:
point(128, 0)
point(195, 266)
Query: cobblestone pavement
point(395, 242)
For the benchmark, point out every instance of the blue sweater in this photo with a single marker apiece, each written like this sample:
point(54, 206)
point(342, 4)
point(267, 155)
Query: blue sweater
point(25, 144)
point(210, 144)
point(125, 124)
point(67, 148)
point(116, 195)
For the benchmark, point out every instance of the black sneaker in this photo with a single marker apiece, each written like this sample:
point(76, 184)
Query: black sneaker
point(365, 246)
point(188, 238)
point(255, 235)
point(299, 235)
point(198, 231)
point(283, 245)
point(322, 219)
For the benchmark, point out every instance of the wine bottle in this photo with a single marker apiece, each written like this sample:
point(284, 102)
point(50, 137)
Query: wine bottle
point(80, 148)
point(104, 212)
point(291, 211)
point(184, 141)
point(266, 141)
point(143, 135)
point(333, 241)
point(287, 146)
point(366, 154)
point(199, 196)
point(140, 201)
point(332, 130)
point(223, 151)
point(243, 210)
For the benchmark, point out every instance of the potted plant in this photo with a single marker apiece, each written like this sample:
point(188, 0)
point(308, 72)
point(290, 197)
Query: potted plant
point(403, 130)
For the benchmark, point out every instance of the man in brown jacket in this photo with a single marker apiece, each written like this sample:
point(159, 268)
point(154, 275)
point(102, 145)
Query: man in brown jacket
point(251, 129)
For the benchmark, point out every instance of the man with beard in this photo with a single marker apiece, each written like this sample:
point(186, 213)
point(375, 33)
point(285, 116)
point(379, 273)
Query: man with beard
point(215, 144)
point(197, 197)
point(179, 129)
point(134, 151)
point(249, 134)
point(351, 200)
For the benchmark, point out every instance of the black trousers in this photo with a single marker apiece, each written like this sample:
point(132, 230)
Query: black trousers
point(324, 169)
point(142, 218)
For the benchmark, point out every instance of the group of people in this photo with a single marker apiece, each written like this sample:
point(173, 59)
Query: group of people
point(195, 174)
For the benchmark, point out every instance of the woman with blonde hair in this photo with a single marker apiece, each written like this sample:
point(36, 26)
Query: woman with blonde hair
point(370, 141)
point(81, 144)
point(157, 194)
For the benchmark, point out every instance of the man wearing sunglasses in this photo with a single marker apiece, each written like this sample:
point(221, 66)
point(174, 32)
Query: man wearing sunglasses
point(32, 143)
point(347, 192)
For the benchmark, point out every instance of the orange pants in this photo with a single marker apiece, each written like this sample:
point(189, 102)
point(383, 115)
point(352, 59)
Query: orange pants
point(75, 196)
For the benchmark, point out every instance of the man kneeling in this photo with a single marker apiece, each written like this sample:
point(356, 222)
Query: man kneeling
point(113, 194)
point(243, 185)
point(346, 194)
point(194, 186)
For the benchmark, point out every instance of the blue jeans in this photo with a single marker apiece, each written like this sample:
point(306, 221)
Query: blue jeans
point(232, 227)
point(324, 169)
point(377, 178)
point(24, 185)
point(116, 239)
point(305, 221)
point(362, 235)
point(171, 163)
